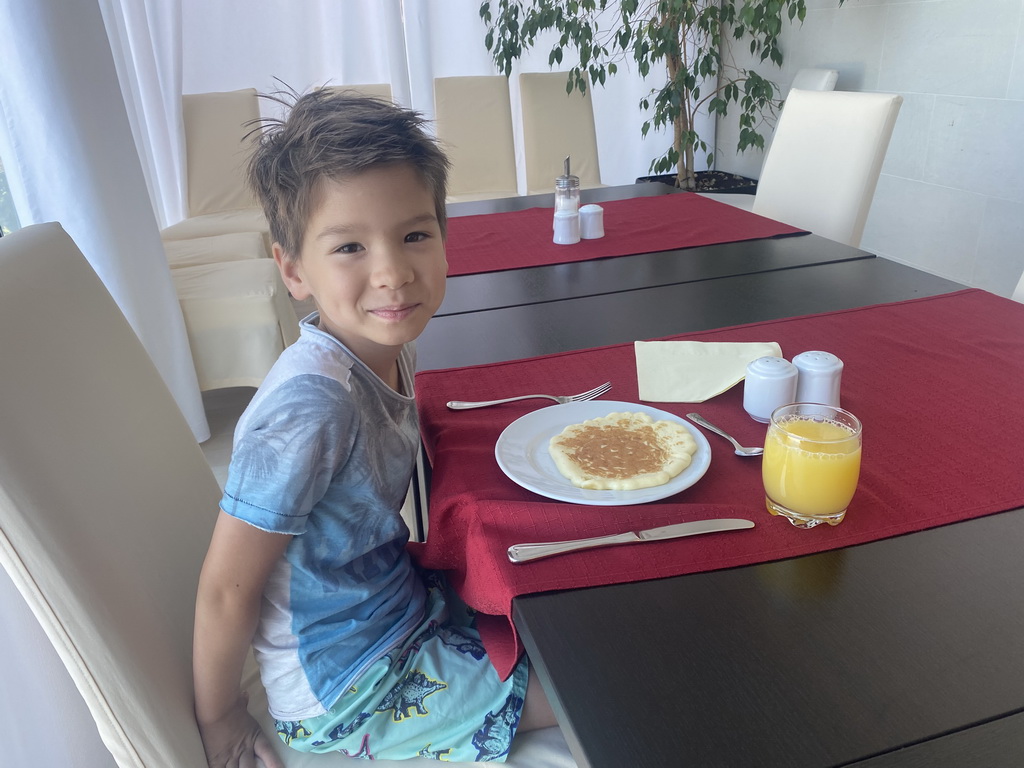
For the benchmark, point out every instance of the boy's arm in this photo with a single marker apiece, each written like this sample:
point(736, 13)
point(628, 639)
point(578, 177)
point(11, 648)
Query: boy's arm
point(234, 573)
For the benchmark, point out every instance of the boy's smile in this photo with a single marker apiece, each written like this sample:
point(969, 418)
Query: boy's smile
point(373, 261)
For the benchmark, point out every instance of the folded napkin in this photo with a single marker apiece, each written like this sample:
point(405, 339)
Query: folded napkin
point(694, 371)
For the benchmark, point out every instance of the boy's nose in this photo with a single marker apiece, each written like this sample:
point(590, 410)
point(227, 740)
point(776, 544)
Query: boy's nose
point(392, 269)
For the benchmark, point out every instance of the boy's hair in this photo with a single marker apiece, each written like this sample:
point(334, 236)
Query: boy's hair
point(331, 135)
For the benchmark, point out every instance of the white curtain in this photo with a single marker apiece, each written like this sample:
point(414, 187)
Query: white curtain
point(406, 43)
point(70, 157)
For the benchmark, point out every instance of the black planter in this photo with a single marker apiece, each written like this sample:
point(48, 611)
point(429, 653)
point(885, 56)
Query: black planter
point(711, 181)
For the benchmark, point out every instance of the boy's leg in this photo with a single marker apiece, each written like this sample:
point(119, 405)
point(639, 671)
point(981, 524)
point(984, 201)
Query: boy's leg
point(537, 712)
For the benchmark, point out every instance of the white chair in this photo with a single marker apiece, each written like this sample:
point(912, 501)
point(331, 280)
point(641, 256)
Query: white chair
point(810, 79)
point(376, 90)
point(106, 510)
point(825, 158)
point(1018, 292)
point(239, 319)
point(556, 124)
point(216, 151)
point(473, 119)
point(234, 246)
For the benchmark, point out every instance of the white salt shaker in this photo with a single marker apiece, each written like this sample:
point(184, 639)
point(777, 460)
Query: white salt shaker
point(591, 222)
point(770, 382)
point(820, 377)
point(567, 227)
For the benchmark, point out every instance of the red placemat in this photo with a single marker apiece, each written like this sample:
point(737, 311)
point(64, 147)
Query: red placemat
point(498, 241)
point(935, 382)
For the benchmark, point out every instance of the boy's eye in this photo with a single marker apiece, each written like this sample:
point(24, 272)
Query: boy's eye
point(348, 248)
point(416, 237)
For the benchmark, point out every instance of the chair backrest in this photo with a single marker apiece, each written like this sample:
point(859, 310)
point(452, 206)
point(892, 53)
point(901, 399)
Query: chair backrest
point(473, 119)
point(106, 502)
point(556, 124)
point(815, 79)
point(376, 90)
point(825, 158)
point(216, 125)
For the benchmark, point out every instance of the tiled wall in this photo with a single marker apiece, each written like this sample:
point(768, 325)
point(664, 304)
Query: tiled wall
point(951, 196)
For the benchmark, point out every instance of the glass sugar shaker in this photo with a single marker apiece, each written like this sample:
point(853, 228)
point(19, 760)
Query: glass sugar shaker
point(567, 191)
point(819, 378)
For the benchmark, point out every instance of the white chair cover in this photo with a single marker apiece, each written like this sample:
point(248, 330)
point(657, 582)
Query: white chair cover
point(823, 165)
point(556, 124)
point(235, 246)
point(106, 510)
point(239, 319)
point(815, 79)
point(474, 124)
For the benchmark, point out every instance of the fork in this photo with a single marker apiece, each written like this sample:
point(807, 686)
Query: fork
point(590, 394)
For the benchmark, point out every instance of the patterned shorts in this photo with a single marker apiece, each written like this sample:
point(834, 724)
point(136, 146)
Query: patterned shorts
point(436, 696)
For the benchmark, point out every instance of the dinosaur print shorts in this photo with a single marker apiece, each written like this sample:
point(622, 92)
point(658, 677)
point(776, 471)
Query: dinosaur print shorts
point(436, 696)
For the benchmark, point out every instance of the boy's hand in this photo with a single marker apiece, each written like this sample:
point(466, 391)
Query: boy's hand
point(236, 740)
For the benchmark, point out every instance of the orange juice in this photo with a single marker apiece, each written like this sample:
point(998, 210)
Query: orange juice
point(811, 466)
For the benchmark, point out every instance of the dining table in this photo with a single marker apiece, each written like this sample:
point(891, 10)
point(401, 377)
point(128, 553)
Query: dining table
point(893, 639)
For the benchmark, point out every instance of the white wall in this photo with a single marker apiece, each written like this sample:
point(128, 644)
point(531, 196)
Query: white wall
point(951, 196)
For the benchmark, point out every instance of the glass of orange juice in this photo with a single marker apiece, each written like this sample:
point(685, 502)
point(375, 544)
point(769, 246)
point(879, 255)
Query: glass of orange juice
point(811, 463)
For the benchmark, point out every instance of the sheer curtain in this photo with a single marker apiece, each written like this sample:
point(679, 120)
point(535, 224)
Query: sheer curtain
point(69, 154)
point(406, 43)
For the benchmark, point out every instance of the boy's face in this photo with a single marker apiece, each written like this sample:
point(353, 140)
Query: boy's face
point(373, 260)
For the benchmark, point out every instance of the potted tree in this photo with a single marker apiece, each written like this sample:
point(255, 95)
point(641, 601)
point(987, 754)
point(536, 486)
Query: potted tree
point(684, 36)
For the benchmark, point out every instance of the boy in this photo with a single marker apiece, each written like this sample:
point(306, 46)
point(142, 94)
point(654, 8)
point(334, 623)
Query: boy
point(307, 560)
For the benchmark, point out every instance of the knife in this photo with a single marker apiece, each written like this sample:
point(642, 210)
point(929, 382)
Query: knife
point(520, 553)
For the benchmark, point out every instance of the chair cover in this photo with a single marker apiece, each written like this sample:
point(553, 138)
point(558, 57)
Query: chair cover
point(556, 124)
point(825, 158)
point(239, 319)
point(106, 510)
point(474, 124)
point(235, 246)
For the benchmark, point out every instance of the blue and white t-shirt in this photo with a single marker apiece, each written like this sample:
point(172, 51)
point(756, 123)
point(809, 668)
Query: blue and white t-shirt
point(325, 451)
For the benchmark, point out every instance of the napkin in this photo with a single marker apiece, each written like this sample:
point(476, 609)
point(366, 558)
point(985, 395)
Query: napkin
point(694, 371)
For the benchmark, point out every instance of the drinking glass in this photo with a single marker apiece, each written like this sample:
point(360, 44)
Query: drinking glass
point(811, 463)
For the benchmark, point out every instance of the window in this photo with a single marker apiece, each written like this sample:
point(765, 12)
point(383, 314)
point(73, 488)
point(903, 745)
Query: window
point(8, 216)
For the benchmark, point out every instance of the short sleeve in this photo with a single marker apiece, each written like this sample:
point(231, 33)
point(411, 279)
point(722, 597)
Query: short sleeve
point(293, 443)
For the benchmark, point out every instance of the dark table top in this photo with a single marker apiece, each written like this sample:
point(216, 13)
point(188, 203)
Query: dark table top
point(901, 652)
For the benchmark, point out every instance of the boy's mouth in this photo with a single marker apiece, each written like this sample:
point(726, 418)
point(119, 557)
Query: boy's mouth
point(395, 313)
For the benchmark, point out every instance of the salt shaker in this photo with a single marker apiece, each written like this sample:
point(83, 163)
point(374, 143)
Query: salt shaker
point(591, 222)
point(567, 227)
point(770, 382)
point(567, 191)
point(819, 378)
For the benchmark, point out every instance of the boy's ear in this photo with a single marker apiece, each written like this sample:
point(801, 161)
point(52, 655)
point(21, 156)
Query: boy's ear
point(291, 273)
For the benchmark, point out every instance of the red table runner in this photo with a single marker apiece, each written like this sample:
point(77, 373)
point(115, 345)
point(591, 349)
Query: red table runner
point(935, 381)
point(498, 241)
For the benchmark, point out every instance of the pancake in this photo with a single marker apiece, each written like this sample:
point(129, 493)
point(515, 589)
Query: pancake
point(622, 452)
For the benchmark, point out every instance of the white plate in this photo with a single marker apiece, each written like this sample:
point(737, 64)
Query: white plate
point(522, 454)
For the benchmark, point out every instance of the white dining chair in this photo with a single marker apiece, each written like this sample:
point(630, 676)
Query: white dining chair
point(216, 150)
point(374, 90)
point(106, 510)
point(814, 79)
point(473, 120)
point(825, 158)
point(557, 124)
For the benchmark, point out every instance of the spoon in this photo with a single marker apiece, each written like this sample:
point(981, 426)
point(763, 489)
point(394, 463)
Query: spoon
point(741, 450)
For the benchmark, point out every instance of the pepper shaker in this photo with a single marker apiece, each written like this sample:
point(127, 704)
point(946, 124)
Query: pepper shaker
point(820, 377)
